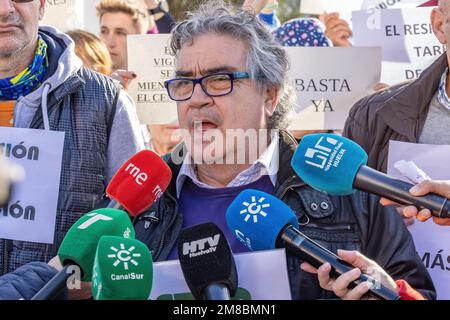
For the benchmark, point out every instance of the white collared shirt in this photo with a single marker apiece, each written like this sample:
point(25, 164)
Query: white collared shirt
point(267, 164)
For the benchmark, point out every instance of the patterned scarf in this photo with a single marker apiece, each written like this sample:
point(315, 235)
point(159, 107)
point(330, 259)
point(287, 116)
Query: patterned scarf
point(29, 79)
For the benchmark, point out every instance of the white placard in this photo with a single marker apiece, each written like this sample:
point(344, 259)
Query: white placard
point(343, 6)
point(150, 57)
point(64, 15)
point(432, 241)
point(262, 276)
point(328, 81)
point(30, 214)
point(407, 39)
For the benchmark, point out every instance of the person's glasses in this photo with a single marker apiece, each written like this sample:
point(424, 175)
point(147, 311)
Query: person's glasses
point(22, 1)
point(214, 85)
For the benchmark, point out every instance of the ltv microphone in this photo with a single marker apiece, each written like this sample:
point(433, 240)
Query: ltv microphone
point(337, 166)
point(263, 222)
point(207, 262)
point(139, 183)
point(79, 246)
point(123, 270)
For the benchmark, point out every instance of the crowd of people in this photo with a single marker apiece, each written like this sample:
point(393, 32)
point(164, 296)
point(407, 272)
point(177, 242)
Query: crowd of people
point(77, 82)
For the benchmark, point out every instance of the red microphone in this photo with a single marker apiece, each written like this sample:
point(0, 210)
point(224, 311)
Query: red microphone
point(139, 183)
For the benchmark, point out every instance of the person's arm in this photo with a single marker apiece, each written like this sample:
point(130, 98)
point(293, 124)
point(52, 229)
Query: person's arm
point(340, 286)
point(163, 19)
point(26, 281)
point(337, 30)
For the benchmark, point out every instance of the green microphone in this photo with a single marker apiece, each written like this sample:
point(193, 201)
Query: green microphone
point(80, 243)
point(123, 270)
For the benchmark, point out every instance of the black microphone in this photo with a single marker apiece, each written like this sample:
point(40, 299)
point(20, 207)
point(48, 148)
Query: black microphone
point(336, 165)
point(207, 262)
point(263, 222)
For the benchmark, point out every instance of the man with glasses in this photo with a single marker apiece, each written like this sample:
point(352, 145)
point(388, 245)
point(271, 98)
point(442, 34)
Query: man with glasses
point(43, 86)
point(233, 107)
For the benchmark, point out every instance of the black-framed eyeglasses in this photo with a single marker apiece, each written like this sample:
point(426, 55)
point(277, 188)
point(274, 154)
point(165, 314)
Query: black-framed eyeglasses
point(214, 85)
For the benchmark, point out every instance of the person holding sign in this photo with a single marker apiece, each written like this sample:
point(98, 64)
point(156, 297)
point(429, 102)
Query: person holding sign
point(80, 116)
point(231, 84)
point(416, 111)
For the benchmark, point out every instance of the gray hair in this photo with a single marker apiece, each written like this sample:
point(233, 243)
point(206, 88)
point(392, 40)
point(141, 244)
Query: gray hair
point(267, 61)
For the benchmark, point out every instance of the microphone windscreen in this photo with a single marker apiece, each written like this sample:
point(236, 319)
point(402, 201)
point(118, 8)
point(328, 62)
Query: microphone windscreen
point(123, 270)
point(256, 218)
point(206, 258)
point(328, 162)
point(80, 242)
point(140, 182)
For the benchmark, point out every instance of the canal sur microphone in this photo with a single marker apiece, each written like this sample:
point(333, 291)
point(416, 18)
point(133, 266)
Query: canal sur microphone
point(337, 166)
point(207, 262)
point(123, 270)
point(263, 222)
point(78, 247)
point(139, 183)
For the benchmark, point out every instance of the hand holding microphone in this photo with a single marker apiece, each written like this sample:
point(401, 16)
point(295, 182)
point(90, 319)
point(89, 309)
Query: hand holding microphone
point(336, 165)
point(263, 222)
point(77, 251)
point(425, 187)
point(342, 285)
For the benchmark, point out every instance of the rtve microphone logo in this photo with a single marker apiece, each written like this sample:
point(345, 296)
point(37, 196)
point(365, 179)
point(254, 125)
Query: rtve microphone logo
point(326, 153)
point(254, 209)
point(136, 173)
point(198, 247)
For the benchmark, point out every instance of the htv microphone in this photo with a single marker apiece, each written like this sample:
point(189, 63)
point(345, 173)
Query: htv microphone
point(336, 165)
point(139, 183)
point(80, 243)
point(123, 270)
point(262, 222)
point(207, 262)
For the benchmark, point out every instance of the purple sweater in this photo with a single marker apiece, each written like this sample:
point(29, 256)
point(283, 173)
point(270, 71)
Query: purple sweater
point(199, 205)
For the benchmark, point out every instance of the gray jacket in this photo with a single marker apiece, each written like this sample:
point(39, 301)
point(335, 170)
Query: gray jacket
point(101, 132)
point(356, 222)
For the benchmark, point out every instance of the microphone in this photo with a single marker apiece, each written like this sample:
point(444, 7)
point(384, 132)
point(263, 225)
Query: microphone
point(263, 222)
point(123, 270)
point(207, 262)
point(139, 183)
point(337, 166)
point(79, 245)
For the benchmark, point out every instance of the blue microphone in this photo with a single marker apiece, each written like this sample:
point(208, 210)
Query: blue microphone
point(262, 222)
point(337, 166)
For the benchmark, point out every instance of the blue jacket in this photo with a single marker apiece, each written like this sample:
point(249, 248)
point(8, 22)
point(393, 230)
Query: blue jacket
point(26, 281)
